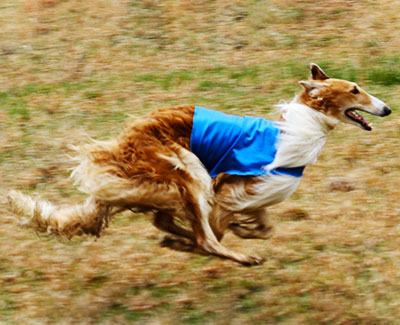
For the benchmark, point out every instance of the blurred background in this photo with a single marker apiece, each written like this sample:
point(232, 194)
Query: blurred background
point(73, 69)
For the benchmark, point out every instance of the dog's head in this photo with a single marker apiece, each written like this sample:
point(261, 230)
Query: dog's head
point(340, 99)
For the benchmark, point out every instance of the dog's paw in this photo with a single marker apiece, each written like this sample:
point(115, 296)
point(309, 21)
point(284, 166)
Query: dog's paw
point(179, 244)
point(253, 260)
point(259, 232)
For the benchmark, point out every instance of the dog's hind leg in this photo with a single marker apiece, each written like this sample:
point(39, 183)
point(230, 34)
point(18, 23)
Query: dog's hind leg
point(252, 224)
point(197, 203)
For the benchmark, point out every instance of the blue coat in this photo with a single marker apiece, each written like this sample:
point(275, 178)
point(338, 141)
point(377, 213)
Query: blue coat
point(235, 145)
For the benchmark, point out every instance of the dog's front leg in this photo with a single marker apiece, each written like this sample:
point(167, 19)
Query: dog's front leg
point(252, 225)
point(198, 200)
point(165, 222)
point(208, 241)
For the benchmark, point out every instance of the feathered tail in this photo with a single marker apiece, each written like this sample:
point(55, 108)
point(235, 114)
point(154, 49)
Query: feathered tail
point(64, 221)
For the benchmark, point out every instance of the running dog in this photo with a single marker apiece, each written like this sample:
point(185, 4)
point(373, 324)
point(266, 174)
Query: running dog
point(206, 169)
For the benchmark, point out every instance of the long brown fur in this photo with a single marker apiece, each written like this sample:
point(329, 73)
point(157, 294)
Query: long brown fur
point(150, 168)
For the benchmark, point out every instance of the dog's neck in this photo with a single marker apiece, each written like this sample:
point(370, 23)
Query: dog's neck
point(303, 134)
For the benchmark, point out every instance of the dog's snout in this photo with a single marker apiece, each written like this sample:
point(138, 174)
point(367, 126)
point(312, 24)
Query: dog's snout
point(386, 111)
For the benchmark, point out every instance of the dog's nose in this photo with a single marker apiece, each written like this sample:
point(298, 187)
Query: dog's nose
point(386, 111)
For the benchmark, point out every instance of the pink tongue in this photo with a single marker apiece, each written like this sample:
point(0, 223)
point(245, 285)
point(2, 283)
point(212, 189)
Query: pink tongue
point(358, 117)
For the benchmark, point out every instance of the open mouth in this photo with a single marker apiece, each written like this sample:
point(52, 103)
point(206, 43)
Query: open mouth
point(353, 115)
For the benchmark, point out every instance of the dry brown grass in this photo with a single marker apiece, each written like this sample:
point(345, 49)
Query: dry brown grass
point(75, 67)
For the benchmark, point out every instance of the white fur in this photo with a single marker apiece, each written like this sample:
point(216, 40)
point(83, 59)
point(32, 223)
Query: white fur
point(46, 217)
point(101, 181)
point(196, 169)
point(303, 134)
point(93, 178)
point(378, 106)
point(29, 208)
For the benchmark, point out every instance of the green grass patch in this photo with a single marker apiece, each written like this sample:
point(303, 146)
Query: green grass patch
point(165, 81)
point(19, 109)
point(347, 71)
point(38, 88)
point(386, 72)
point(251, 73)
point(195, 316)
point(248, 304)
point(251, 286)
point(73, 86)
point(8, 304)
point(210, 85)
point(157, 291)
point(119, 309)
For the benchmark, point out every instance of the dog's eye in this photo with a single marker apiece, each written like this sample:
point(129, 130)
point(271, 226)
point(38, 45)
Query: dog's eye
point(355, 91)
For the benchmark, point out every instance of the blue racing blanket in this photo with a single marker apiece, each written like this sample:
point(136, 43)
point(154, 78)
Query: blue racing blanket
point(235, 145)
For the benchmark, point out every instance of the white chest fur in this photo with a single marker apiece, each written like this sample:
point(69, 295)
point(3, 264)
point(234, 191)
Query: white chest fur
point(303, 134)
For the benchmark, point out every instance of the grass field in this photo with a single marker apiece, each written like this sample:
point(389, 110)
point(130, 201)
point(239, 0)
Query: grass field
point(70, 69)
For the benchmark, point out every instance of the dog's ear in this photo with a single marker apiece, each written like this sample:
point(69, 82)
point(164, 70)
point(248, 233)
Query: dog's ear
point(317, 73)
point(312, 88)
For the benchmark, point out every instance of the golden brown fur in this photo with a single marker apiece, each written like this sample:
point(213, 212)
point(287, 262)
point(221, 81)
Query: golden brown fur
point(150, 168)
point(333, 96)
